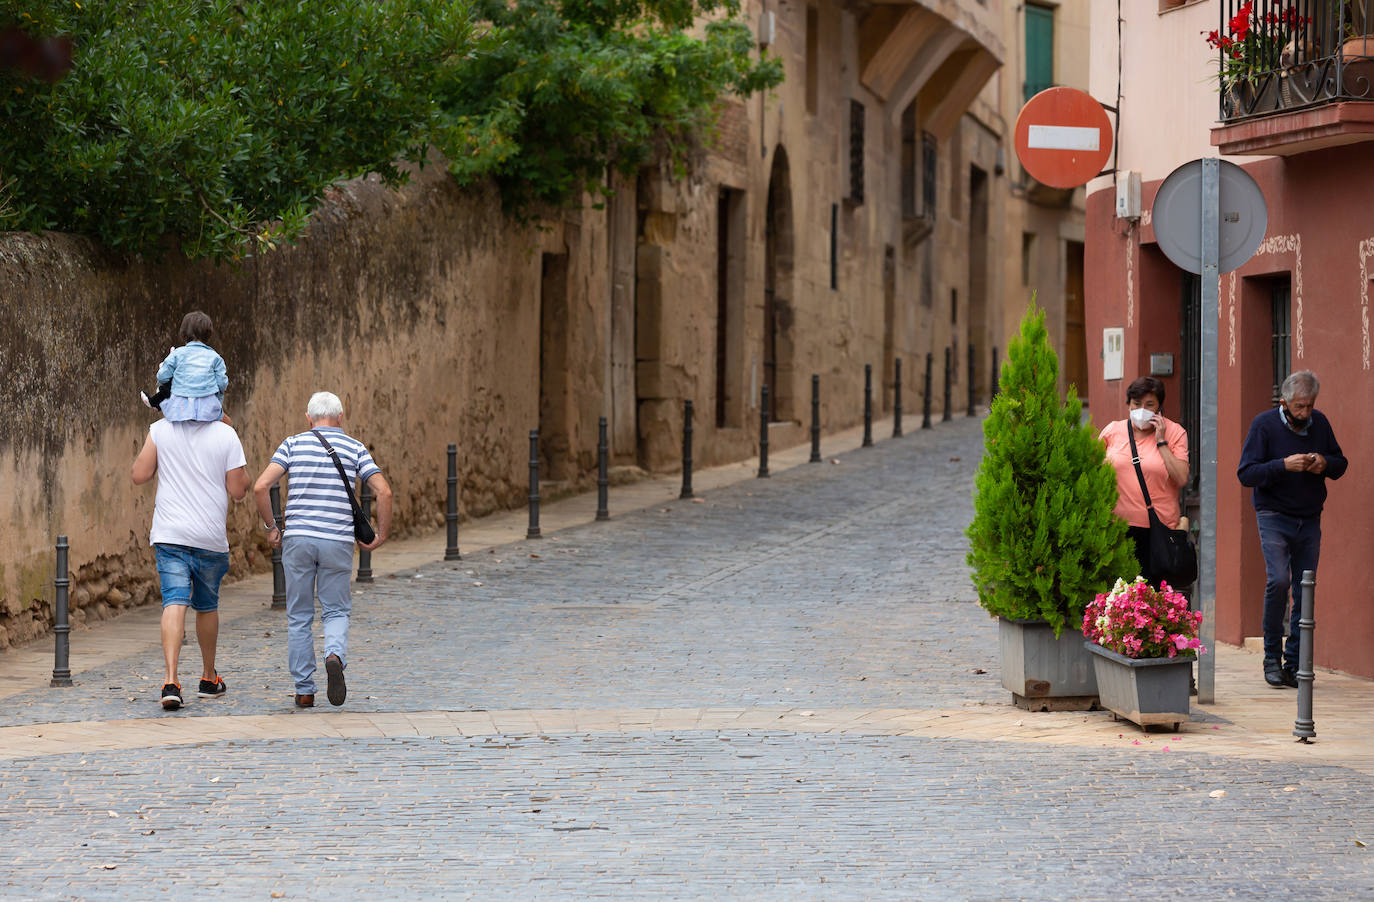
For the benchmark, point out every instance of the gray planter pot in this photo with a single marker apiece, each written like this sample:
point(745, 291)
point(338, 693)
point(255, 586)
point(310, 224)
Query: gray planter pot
point(1143, 690)
point(1036, 665)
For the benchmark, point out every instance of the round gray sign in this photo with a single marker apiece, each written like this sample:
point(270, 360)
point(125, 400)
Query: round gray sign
point(1177, 216)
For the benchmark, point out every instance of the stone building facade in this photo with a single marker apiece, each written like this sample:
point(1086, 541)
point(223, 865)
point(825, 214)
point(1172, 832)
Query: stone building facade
point(858, 215)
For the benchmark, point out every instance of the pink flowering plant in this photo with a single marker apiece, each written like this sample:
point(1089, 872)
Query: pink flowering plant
point(1139, 621)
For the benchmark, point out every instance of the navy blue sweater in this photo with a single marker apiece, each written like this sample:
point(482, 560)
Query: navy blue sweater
point(1300, 494)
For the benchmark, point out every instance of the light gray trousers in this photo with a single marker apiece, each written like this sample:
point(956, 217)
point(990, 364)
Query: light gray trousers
point(323, 567)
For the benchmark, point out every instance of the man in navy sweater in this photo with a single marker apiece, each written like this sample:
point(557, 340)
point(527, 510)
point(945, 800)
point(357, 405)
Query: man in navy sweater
point(1287, 458)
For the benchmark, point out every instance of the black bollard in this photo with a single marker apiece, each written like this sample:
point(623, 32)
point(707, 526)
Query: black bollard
point(364, 555)
point(533, 531)
point(686, 450)
point(949, 387)
point(61, 628)
point(897, 398)
point(1304, 728)
point(815, 419)
point(868, 405)
point(971, 397)
point(451, 507)
point(763, 435)
point(925, 401)
point(278, 574)
point(996, 378)
point(603, 478)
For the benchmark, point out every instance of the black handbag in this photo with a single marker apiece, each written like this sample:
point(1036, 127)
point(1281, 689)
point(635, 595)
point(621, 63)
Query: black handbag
point(362, 530)
point(1173, 559)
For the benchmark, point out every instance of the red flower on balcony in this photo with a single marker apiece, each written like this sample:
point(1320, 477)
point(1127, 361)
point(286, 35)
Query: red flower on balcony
point(1253, 44)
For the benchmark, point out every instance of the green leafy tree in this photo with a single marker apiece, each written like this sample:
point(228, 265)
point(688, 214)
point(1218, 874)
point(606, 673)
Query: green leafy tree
point(217, 125)
point(555, 91)
point(1044, 539)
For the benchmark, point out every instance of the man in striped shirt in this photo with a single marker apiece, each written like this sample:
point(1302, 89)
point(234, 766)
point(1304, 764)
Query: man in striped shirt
point(317, 549)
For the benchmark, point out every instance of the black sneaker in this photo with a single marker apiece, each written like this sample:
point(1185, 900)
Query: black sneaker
point(337, 690)
point(212, 688)
point(171, 697)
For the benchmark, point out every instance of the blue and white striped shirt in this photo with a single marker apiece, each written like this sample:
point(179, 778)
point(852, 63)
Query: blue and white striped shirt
point(317, 503)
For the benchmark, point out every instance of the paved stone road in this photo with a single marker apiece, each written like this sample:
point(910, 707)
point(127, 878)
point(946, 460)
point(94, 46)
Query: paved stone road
point(828, 586)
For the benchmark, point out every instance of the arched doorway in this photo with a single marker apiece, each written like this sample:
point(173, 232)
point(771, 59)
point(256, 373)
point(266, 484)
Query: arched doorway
point(777, 292)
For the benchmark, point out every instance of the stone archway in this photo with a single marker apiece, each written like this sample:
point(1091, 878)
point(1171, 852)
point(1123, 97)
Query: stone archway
point(778, 373)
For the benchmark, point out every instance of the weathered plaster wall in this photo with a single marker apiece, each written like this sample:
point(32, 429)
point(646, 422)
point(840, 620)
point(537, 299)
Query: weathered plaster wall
point(418, 308)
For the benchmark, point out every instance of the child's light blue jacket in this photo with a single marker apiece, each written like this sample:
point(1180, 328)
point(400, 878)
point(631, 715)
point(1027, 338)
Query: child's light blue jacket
point(195, 371)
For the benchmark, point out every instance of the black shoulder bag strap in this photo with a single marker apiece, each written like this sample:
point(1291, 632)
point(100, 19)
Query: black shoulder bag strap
point(1135, 459)
point(348, 486)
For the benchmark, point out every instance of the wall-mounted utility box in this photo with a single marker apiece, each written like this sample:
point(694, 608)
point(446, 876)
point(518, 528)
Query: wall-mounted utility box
point(1113, 352)
point(1128, 195)
point(1161, 364)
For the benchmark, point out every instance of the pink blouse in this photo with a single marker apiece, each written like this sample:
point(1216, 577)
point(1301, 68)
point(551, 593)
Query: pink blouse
point(1130, 506)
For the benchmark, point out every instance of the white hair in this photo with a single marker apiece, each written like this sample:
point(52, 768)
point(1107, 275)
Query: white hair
point(324, 405)
point(1302, 384)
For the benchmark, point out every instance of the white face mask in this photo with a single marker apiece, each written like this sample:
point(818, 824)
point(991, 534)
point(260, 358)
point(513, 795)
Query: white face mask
point(1141, 417)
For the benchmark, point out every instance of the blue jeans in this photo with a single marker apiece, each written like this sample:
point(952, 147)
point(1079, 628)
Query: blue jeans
point(1290, 545)
point(190, 576)
point(314, 566)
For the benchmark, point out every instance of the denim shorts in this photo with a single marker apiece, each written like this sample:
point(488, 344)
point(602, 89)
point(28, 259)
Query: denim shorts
point(190, 576)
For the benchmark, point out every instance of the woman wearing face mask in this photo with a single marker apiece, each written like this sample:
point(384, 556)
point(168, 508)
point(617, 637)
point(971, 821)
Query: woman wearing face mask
point(1163, 448)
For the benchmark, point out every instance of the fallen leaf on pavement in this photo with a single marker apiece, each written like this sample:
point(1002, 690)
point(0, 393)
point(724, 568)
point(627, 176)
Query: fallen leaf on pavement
point(1216, 793)
point(113, 813)
point(1290, 789)
point(1359, 842)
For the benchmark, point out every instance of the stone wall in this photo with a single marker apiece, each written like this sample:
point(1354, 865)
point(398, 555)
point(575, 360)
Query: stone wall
point(418, 308)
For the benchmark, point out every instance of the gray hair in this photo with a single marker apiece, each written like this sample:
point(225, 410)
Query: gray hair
point(324, 405)
point(1302, 384)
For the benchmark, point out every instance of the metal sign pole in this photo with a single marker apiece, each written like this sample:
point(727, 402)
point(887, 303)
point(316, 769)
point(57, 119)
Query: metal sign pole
point(1207, 447)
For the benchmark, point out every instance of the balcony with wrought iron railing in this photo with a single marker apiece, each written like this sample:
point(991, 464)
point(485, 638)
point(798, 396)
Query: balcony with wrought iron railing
point(1294, 75)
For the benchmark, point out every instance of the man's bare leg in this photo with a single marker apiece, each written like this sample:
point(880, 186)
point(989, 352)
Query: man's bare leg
point(173, 627)
point(207, 633)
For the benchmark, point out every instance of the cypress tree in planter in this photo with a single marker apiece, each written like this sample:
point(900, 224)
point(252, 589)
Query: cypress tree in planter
point(1043, 541)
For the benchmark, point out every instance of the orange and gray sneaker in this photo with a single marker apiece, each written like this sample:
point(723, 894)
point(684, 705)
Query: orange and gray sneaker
point(171, 696)
point(212, 688)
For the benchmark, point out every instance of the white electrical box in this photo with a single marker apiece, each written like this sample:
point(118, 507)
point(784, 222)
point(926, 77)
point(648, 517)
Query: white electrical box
point(1128, 195)
point(1113, 353)
point(767, 28)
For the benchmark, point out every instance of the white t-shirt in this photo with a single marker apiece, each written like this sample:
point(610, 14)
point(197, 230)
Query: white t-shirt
point(192, 502)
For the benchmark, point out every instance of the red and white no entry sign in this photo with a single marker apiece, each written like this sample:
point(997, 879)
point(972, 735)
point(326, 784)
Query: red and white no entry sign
point(1063, 137)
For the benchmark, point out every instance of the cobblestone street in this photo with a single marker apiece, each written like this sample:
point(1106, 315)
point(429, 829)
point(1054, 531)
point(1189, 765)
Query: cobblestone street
point(758, 694)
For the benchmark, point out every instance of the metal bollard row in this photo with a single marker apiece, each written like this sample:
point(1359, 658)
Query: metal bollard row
point(686, 450)
point(451, 508)
point(925, 401)
point(868, 405)
point(763, 434)
point(1304, 727)
point(949, 385)
point(815, 419)
point(62, 628)
point(897, 398)
point(533, 531)
point(603, 479)
point(278, 574)
point(364, 555)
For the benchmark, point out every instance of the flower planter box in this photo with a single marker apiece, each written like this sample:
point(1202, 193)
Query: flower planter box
point(1044, 673)
point(1145, 691)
